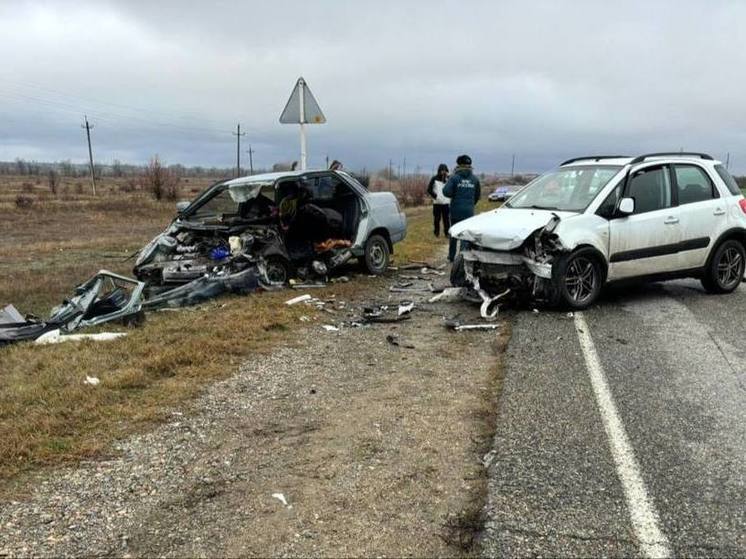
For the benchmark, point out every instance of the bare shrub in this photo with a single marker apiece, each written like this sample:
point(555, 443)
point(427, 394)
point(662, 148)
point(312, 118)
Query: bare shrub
point(24, 202)
point(53, 180)
point(413, 190)
point(160, 181)
point(78, 187)
point(27, 187)
point(130, 185)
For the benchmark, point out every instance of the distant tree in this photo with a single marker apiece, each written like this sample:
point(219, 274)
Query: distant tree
point(116, 168)
point(160, 180)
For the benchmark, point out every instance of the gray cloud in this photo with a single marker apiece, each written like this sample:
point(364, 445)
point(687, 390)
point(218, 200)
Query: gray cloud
point(420, 79)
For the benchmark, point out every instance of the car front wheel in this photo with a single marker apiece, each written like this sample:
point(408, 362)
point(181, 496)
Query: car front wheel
point(376, 257)
point(577, 279)
point(726, 268)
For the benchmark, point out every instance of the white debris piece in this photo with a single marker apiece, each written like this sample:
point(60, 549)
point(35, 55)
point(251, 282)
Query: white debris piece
point(330, 328)
point(462, 327)
point(280, 497)
point(93, 381)
point(55, 337)
point(448, 295)
point(405, 308)
point(299, 299)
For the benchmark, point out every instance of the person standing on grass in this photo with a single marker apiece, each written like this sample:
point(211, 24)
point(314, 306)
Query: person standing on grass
point(463, 189)
point(440, 203)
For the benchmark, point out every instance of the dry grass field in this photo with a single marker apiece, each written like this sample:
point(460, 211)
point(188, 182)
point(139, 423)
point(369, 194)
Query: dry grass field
point(47, 414)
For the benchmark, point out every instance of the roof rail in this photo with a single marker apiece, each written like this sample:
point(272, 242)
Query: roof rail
point(641, 158)
point(593, 158)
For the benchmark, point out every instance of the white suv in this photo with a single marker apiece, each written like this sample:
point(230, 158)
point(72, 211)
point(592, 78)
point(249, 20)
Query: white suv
point(603, 219)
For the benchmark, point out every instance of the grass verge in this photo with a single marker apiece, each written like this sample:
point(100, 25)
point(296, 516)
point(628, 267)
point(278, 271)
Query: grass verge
point(48, 415)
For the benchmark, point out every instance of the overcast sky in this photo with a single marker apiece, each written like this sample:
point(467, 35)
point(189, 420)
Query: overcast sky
point(424, 80)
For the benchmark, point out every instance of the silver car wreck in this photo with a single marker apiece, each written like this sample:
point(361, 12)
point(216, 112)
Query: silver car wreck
point(263, 230)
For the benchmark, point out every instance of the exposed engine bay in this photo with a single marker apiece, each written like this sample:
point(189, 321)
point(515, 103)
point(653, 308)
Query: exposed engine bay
point(259, 244)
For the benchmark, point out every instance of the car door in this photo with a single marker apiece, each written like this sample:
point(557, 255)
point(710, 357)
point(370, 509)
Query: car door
point(647, 241)
point(702, 213)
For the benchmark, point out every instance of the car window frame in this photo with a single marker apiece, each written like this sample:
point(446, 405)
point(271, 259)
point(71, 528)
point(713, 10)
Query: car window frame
point(715, 193)
point(673, 192)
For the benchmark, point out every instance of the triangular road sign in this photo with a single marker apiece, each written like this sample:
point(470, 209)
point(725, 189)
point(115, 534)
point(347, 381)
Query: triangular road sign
point(308, 113)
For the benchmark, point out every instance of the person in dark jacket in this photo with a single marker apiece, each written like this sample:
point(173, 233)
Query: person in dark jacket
point(440, 202)
point(464, 190)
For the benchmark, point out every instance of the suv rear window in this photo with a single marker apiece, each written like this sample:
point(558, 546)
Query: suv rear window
point(729, 181)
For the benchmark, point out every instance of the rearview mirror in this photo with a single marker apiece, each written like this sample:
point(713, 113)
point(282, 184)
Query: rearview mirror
point(181, 206)
point(626, 206)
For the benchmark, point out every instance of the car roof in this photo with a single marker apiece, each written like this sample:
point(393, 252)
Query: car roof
point(272, 177)
point(622, 161)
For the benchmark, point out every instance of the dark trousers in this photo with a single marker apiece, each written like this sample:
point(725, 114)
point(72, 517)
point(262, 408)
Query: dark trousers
point(453, 243)
point(441, 212)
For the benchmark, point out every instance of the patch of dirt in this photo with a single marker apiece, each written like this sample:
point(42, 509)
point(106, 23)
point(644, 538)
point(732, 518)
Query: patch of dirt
point(377, 450)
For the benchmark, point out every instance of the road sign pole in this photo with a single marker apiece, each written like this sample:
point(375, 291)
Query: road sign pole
point(302, 86)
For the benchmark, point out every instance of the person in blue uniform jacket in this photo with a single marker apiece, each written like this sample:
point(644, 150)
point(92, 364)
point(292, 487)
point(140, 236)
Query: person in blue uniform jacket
point(464, 190)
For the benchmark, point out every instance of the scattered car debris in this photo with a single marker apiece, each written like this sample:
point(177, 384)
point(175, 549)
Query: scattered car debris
point(105, 297)
point(330, 328)
point(93, 381)
point(449, 295)
point(280, 497)
point(459, 327)
point(405, 307)
point(299, 299)
point(56, 337)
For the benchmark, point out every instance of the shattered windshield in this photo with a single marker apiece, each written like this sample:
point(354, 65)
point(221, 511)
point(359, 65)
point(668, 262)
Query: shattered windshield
point(568, 189)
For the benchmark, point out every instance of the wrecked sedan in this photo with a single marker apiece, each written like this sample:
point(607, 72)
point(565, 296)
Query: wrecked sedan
point(604, 219)
point(270, 228)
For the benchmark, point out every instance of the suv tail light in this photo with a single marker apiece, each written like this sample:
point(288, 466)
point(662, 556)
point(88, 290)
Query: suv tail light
point(742, 203)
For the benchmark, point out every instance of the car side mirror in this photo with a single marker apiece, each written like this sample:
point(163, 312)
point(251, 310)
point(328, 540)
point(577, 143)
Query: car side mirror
point(626, 207)
point(181, 206)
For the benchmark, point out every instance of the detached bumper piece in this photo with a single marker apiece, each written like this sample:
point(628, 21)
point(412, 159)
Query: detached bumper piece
point(104, 298)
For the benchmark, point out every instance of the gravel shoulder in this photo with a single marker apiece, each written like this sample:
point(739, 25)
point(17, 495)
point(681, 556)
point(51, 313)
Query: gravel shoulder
point(368, 443)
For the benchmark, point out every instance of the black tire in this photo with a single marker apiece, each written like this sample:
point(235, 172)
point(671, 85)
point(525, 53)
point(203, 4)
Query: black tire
point(278, 270)
point(377, 255)
point(577, 279)
point(458, 273)
point(726, 267)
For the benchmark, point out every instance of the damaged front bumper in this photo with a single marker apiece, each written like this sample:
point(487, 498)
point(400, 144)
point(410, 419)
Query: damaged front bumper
point(526, 270)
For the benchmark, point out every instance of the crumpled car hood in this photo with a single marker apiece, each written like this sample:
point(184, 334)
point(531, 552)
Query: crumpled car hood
point(503, 228)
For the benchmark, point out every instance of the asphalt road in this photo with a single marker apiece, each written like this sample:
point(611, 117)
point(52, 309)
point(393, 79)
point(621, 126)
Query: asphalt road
point(672, 359)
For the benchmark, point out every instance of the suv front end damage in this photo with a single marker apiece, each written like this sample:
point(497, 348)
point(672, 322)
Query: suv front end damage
point(525, 270)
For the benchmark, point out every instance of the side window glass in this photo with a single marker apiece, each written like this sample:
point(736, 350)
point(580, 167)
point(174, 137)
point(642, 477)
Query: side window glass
point(607, 207)
point(651, 189)
point(693, 184)
point(729, 181)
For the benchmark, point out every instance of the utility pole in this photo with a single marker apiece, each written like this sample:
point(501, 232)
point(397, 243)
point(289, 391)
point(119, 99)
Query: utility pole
point(404, 168)
point(238, 135)
point(727, 161)
point(512, 167)
point(90, 152)
point(327, 160)
point(251, 153)
point(391, 175)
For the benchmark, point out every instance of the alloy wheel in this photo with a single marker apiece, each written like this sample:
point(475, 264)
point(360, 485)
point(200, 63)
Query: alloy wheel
point(581, 279)
point(730, 267)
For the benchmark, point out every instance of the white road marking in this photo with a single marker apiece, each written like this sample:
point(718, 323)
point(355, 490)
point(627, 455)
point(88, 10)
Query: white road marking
point(644, 517)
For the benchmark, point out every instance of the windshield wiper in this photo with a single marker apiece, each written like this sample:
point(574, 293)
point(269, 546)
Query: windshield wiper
point(535, 207)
